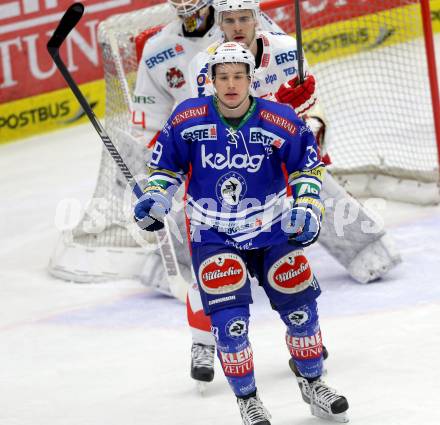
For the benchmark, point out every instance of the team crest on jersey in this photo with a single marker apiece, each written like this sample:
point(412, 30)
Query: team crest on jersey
point(231, 188)
point(291, 273)
point(222, 273)
point(200, 133)
point(175, 78)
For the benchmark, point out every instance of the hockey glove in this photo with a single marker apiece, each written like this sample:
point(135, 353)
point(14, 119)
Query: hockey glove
point(300, 96)
point(150, 211)
point(305, 220)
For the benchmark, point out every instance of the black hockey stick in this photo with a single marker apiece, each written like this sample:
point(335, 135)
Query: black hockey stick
point(299, 48)
point(68, 22)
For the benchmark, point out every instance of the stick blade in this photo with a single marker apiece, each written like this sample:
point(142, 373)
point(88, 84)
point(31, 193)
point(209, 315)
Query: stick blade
point(69, 20)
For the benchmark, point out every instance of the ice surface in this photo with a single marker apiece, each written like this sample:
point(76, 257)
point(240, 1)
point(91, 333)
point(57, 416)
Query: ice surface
point(118, 353)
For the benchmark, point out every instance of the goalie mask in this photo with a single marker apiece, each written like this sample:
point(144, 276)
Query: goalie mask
point(192, 12)
point(231, 52)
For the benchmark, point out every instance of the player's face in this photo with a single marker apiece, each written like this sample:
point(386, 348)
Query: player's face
point(231, 83)
point(239, 26)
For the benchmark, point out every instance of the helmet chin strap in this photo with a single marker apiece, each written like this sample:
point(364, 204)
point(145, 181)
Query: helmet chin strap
point(253, 41)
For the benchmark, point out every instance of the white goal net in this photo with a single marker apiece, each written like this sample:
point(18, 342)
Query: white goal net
point(372, 71)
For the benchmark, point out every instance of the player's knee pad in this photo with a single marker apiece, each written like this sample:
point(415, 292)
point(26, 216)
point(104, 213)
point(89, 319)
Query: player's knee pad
point(230, 328)
point(303, 338)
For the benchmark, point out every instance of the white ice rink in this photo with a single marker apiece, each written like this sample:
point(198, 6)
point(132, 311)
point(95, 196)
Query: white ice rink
point(118, 354)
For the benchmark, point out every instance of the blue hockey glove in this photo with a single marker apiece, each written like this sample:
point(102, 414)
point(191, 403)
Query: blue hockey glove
point(305, 220)
point(150, 211)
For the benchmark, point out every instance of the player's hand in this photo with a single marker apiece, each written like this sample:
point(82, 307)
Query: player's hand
point(305, 220)
point(300, 96)
point(150, 211)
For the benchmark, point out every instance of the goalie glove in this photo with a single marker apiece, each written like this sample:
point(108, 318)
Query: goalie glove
point(150, 211)
point(305, 220)
point(300, 96)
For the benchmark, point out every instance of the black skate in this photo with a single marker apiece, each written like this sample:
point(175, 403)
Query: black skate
point(252, 410)
point(324, 401)
point(202, 364)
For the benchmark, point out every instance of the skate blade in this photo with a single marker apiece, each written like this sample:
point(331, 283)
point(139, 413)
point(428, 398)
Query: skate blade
point(335, 417)
point(201, 387)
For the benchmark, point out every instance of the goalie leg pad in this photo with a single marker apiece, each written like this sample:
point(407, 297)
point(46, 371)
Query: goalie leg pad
point(375, 260)
point(348, 230)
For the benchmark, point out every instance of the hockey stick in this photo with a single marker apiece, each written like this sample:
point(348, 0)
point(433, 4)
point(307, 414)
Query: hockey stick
point(299, 48)
point(68, 22)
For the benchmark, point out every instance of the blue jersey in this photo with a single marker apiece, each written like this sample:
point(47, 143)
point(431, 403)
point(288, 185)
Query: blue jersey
point(237, 190)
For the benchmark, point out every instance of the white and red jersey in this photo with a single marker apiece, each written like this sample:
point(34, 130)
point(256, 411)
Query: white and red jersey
point(163, 78)
point(278, 65)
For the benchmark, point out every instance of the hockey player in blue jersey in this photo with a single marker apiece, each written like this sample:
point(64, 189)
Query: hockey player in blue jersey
point(233, 148)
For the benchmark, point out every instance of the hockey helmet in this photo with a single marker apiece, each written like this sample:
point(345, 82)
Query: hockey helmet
point(221, 6)
point(231, 52)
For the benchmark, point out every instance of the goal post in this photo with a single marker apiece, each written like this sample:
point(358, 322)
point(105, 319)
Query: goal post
point(374, 62)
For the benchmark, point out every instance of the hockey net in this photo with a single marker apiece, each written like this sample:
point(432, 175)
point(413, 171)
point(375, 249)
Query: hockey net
point(373, 77)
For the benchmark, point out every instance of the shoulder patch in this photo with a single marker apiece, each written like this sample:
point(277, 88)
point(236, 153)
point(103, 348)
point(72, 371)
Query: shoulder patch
point(279, 121)
point(187, 114)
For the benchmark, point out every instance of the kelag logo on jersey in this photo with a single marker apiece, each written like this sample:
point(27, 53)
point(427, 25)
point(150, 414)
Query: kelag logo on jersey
point(163, 56)
point(285, 57)
point(200, 133)
point(264, 137)
point(238, 161)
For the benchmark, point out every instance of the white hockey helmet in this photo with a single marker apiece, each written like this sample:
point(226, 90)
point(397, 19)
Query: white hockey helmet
point(188, 7)
point(231, 52)
point(221, 6)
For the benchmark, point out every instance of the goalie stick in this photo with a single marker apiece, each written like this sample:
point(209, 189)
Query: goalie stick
point(70, 19)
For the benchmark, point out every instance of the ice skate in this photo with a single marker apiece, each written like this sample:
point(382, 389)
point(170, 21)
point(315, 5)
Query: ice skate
point(324, 401)
point(202, 365)
point(252, 410)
